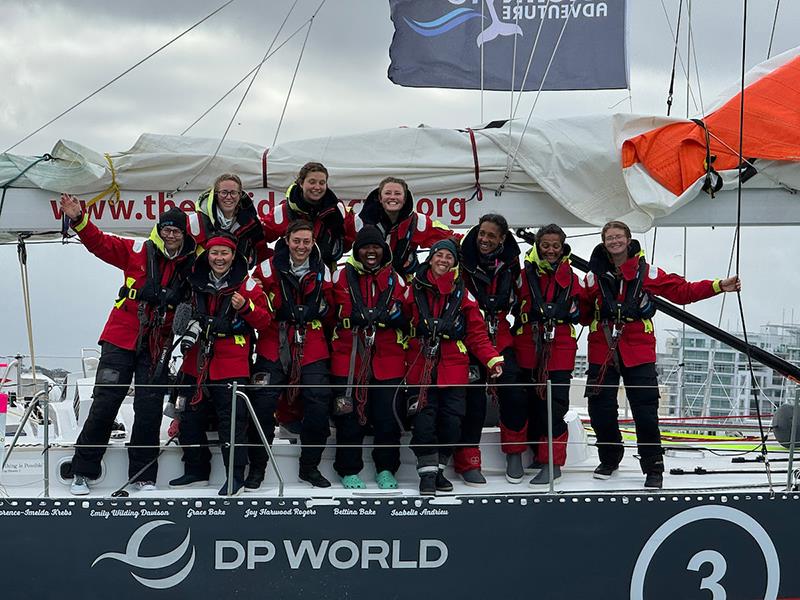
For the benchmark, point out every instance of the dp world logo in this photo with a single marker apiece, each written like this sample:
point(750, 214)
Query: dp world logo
point(145, 564)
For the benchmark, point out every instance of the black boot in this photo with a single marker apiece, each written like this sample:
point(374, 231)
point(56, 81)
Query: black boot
point(254, 479)
point(653, 468)
point(427, 484)
point(443, 484)
point(655, 480)
point(314, 477)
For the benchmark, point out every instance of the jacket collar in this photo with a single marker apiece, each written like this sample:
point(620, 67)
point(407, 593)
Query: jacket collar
point(470, 255)
point(282, 261)
point(600, 262)
point(372, 211)
point(296, 201)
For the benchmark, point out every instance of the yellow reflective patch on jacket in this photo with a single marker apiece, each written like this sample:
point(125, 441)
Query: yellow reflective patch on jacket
point(401, 339)
point(84, 221)
point(239, 340)
point(316, 324)
point(593, 326)
point(648, 325)
point(461, 347)
point(131, 295)
point(572, 331)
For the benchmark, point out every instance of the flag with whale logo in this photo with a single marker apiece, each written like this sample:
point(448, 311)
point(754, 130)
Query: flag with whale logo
point(575, 44)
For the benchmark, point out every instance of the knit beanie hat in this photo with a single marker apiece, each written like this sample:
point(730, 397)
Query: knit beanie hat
point(369, 234)
point(174, 217)
point(448, 244)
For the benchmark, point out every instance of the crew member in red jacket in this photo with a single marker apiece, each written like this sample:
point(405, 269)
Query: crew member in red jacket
point(136, 340)
point(368, 348)
point(228, 305)
point(545, 342)
point(490, 267)
point(309, 198)
point(294, 349)
point(390, 208)
point(445, 324)
point(622, 344)
point(226, 208)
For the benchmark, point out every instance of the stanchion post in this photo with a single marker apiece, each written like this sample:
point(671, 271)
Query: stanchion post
point(232, 448)
point(550, 433)
point(46, 439)
point(792, 439)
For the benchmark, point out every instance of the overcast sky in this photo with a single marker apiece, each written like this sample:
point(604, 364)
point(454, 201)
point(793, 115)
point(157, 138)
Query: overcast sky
point(54, 53)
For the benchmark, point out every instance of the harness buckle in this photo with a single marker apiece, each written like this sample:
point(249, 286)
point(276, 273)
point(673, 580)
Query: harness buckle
point(432, 348)
point(369, 337)
point(616, 330)
point(549, 332)
point(300, 335)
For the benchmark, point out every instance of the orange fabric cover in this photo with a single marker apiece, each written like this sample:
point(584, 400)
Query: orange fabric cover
point(674, 155)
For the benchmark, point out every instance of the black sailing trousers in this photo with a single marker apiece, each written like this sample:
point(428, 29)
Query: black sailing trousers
point(194, 425)
point(641, 388)
point(438, 422)
point(381, 417)
point(115, 371)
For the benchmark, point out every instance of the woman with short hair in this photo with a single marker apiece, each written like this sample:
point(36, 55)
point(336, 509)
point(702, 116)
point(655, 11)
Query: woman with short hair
point(545, 342)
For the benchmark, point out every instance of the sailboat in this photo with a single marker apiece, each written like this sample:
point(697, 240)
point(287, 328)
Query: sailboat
point(730, 534)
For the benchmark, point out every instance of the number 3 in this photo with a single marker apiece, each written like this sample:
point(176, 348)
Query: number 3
point(719, 566)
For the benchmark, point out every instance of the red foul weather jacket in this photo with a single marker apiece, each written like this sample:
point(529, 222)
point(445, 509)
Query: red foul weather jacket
point(383, 291)
point(558, 300)
point(637, 343)
point(227, 331)
point(412, 230)
point(131, 256)
point(492, 280)
point(327, 216)
point(285, 296)
point(467, 331)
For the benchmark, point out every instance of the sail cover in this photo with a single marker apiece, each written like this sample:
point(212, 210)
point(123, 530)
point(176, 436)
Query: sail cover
point(575, 171)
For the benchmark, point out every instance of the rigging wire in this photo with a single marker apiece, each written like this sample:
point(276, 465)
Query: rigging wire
point(671, 90)
point(753, 382)
point(513, 77)
point(238, 108)
point(243, 79)
point(697, 74)
point(483, 25)
point(530, 60)
point(680, 56)
point(118, 77)
point(774, 23)
point(513, 158)
point(294, 76)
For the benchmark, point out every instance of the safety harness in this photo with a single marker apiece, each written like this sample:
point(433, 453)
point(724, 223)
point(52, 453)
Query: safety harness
point(482, 284)
point(449, 325)
point(363, 320)
point(155, 301)
point(544, 316)
point(328, 222)
point(297, 315)
point(613, 315)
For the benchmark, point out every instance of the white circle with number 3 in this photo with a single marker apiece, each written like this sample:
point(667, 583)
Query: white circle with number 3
point(717, 561)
